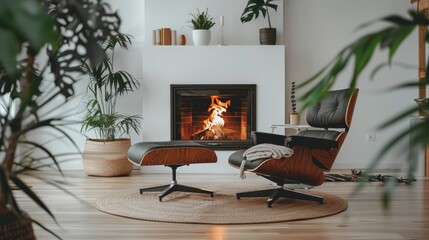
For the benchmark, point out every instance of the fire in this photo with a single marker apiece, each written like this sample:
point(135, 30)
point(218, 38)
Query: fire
point(215, 121)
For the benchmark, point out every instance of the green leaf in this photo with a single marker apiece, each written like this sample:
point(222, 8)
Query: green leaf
point(400, 35)
point(31, 194)
point(45, 228)
point(45, 150)
point(201, 20)
point(255, 7)
point(9, 50)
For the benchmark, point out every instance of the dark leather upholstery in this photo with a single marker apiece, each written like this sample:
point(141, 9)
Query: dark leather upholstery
point(331, 112)
point(315, 150)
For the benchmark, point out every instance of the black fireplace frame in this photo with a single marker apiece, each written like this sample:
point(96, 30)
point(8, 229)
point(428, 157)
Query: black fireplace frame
point(177, 89)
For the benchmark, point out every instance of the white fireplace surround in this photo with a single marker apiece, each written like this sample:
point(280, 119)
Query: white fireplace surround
point(260, 65)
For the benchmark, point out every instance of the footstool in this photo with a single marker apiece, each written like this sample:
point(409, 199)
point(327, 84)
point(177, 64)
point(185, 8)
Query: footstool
point(171, 154)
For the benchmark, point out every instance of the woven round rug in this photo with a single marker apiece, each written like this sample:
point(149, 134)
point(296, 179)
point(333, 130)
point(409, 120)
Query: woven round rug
point(223, 208)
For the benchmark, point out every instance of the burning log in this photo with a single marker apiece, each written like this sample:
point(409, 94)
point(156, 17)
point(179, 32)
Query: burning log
point(216, 133)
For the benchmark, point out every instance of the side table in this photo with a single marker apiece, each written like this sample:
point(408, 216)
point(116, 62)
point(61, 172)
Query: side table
point(291, 126)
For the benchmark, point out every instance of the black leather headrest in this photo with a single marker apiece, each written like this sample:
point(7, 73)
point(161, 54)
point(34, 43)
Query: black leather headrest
point(331, 111)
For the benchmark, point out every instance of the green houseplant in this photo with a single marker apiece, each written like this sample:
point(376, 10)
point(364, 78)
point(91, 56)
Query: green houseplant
point(267, 36)
point(105, 155)
point(360, 53)
point(201, 23)
point(294, 116)
point(60, 37)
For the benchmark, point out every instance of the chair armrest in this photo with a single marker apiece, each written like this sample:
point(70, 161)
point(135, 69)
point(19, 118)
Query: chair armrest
point(311, 142)
point(262, 137)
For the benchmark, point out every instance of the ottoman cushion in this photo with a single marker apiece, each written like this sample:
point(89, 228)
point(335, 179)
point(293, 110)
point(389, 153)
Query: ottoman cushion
point(170, 153)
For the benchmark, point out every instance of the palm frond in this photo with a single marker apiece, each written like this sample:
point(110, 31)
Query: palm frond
point(361, 51)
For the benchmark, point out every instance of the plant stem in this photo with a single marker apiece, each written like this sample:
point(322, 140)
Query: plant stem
point(15, 124)
point(268, 16)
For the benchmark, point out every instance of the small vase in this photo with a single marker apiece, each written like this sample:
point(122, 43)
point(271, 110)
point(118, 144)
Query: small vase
point(182, 40)
point(294, 119)
point(201, 37)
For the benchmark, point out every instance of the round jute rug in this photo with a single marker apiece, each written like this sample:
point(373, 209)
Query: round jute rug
point(223, 208)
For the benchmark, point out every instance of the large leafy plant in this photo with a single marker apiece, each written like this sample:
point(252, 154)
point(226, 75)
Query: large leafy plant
point(256, 7)
point(104, 87)
point(360, 53)
point(42, 43)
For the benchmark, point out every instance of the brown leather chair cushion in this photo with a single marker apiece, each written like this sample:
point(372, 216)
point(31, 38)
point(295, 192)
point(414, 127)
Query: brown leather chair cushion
point(170, 153)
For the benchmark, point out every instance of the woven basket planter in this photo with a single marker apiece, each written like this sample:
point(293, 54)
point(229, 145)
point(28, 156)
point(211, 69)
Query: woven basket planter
point(13, 227)
point(107, 159)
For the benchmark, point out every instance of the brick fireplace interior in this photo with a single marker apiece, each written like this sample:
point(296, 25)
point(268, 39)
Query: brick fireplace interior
point(220, 116)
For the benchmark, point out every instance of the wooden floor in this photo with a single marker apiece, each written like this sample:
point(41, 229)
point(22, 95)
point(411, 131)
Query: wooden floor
point(407, 218)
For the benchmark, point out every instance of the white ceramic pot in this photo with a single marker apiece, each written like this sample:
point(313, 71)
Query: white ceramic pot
point(107, 159)
point(201, 37)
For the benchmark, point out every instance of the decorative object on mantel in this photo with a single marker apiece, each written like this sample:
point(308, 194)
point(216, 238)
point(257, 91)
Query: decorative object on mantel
point(222, 23)
point(107, 155)
point(267, 36)
point(164, 36)
point(294, 116)
point(182, 40)
point(202, 22)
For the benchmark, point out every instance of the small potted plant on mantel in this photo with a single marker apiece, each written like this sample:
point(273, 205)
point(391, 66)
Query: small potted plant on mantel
point(267, 36)
point(294, 116)
point(106, 154)
point(202, 22)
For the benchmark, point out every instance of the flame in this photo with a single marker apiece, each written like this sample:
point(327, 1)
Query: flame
point(217, 107)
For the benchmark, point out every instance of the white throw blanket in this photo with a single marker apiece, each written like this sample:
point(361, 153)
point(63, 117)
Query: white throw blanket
point(264, 150)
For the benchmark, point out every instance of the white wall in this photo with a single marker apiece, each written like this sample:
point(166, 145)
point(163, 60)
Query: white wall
point(312, 40)
point(175, 14)
point(314, 31)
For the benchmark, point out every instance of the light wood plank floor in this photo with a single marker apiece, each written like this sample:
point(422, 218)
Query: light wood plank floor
point(407, 218)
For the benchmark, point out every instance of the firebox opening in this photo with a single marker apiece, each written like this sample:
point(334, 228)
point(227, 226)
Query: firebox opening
point(221, 116)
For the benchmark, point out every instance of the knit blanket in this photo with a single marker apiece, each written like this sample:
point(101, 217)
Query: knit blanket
point(264, 150)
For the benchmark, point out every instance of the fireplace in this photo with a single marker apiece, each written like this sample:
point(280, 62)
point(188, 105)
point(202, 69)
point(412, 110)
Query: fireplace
point(217, 115)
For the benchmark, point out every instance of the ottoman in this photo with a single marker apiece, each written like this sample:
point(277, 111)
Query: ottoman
point(171, 154)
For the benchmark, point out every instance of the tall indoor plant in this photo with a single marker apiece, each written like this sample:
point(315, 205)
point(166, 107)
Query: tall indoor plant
point(201, 23)
point(37, 69)
point(360, 52)
point(267, 36)
point(105, 155)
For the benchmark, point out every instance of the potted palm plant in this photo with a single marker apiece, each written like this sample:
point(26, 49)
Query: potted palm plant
point(267, 36)
point(29, 90)
point(201, 23)
point(106, 154)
